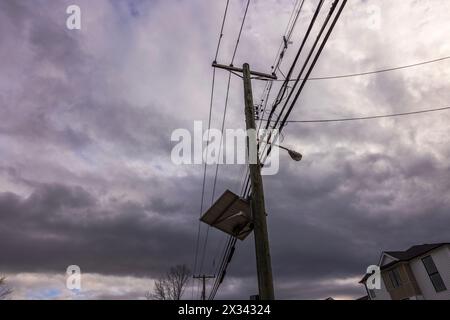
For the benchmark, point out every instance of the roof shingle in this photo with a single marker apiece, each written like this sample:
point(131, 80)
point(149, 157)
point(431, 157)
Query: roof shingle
point(414, 251)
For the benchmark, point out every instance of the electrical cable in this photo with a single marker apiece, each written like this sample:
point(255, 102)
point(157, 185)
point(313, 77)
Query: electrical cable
point(363, 73)
point(370, 117)
point(209, 126)
point(223, 122)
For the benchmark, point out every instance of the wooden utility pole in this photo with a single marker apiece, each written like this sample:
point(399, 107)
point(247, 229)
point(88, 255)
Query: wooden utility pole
point(204, 277)
point(263, 260)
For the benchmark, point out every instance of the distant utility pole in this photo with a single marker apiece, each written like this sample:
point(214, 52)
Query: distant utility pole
point(204, 277)
point(263, 260)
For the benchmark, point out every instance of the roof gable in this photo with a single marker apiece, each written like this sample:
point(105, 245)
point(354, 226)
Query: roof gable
point(390, 258)
point(386, 259)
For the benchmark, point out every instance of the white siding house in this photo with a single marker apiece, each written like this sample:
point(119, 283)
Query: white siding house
point(420, 273)
point(441, 258)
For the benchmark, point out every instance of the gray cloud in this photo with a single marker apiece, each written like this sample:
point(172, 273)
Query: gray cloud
point(59, 225)
point(85, 170)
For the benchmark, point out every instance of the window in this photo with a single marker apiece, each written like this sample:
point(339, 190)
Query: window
point(434, 275)
point(394, 276)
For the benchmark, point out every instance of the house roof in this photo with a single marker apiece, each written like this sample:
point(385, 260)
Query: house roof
point(414, 251)
point(411, 253)
point(363, 280)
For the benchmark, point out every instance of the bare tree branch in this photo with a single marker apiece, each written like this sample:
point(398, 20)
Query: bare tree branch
point(5, 291)
point(172, 285)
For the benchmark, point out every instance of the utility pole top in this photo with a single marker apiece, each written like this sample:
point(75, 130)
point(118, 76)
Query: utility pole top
point(203, 277)
point(240, 70)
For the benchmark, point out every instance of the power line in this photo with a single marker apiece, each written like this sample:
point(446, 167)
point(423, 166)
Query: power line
point(219, 271)
point(209, 126)
point(230, 246)
point(305, 65)
point(287, 35)
point(285, 84)
point(246, 187)
point(283, 123)
point(284, 45)
point(280, 96)
point(316, 58)
point(369, 117)
point(226, 259)
point(283, 88)
point(278, 60)
point(221, 30)
point(240, 31)
point(204, 180)
point(217, 170)
point(223, 124)
point(365, 73)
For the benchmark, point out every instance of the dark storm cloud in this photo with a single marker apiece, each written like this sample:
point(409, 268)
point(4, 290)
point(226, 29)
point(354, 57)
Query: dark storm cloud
point(85, 170)
point(59, 225)
point(333, 226)
point(339, 221)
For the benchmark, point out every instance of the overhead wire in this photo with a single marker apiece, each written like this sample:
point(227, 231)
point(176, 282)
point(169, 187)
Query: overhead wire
point(314, 61)
point(283, 89)
point(280, 97)
point(244, 192)
point(209, 126)
point(316, 58)
point(370, 117)
point(245, 186)
point(351, 75)
point(223, 122)
point(296, 11)
point(240, 32)
point(304, 67)
point(283, 123)
point(308, 58)
point(217, 170)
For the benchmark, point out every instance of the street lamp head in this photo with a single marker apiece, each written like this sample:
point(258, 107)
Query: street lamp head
point(295, 155)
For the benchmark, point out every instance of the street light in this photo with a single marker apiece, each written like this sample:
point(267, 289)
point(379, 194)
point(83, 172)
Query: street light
point(296, 156)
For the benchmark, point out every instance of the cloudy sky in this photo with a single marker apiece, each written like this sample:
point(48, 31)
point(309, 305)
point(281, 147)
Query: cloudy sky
point(86, 176)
